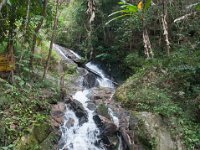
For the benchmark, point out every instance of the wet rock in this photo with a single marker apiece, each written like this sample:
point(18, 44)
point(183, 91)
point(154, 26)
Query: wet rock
point(82, 71)
point(91, 106)
point(108, 131)
point(78, 109)
point(70, 123)
point(90, 81)
point(128, 142)
point(109, 128)
point(124, 120)
point(101, 95)
point(57, 114)
point(98, 121)
point(103, 110)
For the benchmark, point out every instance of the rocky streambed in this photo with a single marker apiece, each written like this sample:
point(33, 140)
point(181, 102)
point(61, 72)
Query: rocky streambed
point(92, 119)
point(88, 117)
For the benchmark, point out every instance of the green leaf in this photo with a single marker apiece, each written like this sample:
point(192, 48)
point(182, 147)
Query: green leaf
point(147, 5)
point(116, 18)
point(9, 3)
point(132, 9)
point(114, 13)
point(121, 3)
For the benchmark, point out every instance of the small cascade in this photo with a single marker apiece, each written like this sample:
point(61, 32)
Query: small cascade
point(78, 56)
point(58, 49)
point(115, 119)
point(103, 81)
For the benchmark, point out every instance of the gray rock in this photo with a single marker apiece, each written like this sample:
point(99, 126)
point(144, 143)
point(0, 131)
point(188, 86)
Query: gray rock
point(91, 106)
point(156, 130)
point(57, 114)
point(90, 81)
point(78, 109)
point(70, 123)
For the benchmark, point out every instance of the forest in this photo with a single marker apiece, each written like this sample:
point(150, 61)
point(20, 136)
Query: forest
point(99, 75)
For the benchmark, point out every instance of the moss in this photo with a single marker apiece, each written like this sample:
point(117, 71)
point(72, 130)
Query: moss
point(103, 111)
point(141, 132)
point(49, 142)
point(41, 131)
point(27, 143)
point(71, 69)
point(39, 138)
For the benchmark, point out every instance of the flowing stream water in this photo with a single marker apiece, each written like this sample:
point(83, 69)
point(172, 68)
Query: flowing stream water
point(86, 135)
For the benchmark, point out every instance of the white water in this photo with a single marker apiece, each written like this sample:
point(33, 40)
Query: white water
point(77, 55)
point(115, 119)
point(58, 49)
point(85, 136)
point(80, 137)
point(103, 81)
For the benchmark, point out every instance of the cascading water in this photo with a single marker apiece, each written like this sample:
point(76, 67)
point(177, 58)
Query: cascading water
point(80, 137)
point(76, 136)
point(58, 49)
point(103, 81)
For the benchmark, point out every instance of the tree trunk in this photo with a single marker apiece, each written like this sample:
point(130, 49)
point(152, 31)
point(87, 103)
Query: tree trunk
point(91, 17)
point(10, 46)
point(52, 41)
point(147, 44)
point(2, 3)
point(37, 29)
point(27, 15)
point(165, 27)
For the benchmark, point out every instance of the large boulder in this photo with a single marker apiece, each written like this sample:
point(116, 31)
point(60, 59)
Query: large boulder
point(109, 128)
point(101, 95)
point(153, 133)
point(78, 109)
point(102, 110)
point(57, 114)
point(89, 80)
point(108, 132)
point(42, 136)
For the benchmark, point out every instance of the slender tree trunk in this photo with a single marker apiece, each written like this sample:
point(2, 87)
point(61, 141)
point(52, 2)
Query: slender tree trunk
point(10, 46)
point(165, 27)
point(27, 14)
point(37, 29)
point(91, 15)
point(52, 41)
point(2, 3)
point(147, 44)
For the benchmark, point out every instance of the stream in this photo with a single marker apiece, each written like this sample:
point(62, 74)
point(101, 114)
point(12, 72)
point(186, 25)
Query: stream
point(79, 134)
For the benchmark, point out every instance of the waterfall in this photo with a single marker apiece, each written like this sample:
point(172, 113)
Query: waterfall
point(76, 136)
point(80, 137)
point(58, 49)
point(103, 81)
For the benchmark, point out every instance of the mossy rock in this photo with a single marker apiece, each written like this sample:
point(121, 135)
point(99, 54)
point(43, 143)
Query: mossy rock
point(41, 132)
point(27, 142)
point(103, 111)
point(71, 69)
point(153, 134)
point(49, 142)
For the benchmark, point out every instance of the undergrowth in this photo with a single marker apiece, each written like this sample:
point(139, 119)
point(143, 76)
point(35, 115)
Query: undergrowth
point(169, 87)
